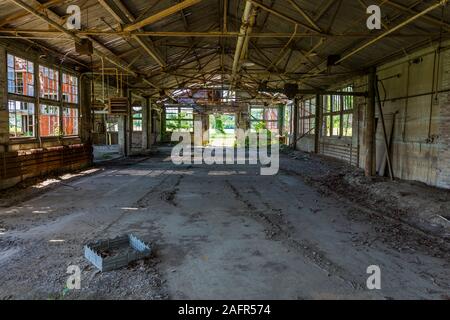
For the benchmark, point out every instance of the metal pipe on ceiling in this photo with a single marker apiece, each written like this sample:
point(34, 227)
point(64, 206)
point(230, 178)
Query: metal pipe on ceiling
point(396, 28)
point(248, 19)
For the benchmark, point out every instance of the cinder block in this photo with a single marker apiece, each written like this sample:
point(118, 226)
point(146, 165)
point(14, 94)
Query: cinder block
point(93, 252)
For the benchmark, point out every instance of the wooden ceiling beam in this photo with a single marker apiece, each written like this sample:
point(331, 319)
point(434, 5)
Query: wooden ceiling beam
point(130, 18)
point(161, 15)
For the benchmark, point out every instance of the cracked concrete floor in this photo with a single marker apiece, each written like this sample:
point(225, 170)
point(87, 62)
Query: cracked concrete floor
point(218, 232)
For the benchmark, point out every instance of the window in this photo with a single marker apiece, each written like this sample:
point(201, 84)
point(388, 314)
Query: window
point(180, 119)
point(49, 121)
point(137, 118)
point(112, 123)
point(69, 88)
point(20, 76)
point(228, 96)
point(347, 125)
point(70, 121)
point(338, 114)
point(264, 118)
point(287, 119)
point(308, 116)
point(60, 117)
point(21, 119)
point(49, 83)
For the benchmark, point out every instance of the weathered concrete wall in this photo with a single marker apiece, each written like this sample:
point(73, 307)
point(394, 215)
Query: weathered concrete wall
point(443, 172)
point(415, 95)
point(416, 115)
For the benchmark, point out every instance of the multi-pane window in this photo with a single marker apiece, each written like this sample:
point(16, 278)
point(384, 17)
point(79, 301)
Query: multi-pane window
point(70, 121)
point(57, 117)
point(20, 76)
point(287, 119)
point(338, 114)
point(69, 88)
point(21, 119)
point(137, 118)
point(49, 83)
point(228, 96)
point(179, 119)
point(307, 116)
point(264, 118)
point(49, 121)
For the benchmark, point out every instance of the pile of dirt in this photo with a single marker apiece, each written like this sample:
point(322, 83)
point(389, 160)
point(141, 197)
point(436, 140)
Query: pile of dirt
point(416, 204)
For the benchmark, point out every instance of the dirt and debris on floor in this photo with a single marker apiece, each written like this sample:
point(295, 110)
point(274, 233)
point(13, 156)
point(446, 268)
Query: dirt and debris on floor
point(414, 203)
point(218, 232)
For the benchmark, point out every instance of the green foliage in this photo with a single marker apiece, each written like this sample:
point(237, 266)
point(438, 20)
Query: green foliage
point(219, 124)
point(261, 125)
point(178, 121)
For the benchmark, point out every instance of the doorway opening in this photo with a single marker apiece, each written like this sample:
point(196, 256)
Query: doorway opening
point(222, 130)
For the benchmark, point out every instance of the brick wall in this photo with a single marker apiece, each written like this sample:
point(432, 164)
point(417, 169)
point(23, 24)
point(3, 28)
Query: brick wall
point(17, 166)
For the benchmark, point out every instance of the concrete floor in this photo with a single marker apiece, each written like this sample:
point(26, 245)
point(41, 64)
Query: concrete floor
point(219, 232)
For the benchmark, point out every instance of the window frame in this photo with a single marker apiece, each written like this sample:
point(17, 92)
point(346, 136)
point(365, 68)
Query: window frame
point(137, 116)
point(307, 117)
point(28, 114)
point(264, 118)
point(58, 89)
point(70, 74)
point(15, 55)
point(38, 101)
point(337, 106)
point(77, 121)
point(179, 120)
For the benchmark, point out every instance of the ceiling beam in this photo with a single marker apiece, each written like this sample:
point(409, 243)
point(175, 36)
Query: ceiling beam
point(130, 19)
point(305, 15)
point(426, 17)
point(56, 21)
point(210, 34)
point(283, 16)
point(440, 3)
point(22, 14)
point(161, 15)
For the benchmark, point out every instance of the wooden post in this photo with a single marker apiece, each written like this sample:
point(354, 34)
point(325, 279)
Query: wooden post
point(370, 166)
point(318, 123)
point(295, 128)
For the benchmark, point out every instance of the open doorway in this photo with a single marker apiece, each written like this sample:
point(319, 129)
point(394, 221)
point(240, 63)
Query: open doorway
point(222, 130)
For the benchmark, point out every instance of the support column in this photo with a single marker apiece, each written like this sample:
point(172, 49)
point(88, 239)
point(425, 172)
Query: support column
point(205, 123)
point(122, 134)
point(295, 125)
point(129, 124)
point(85, 111)
point(145, 123)
point(150, 123)
point(370, 165)
point(318, 124)
point(4, 120)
